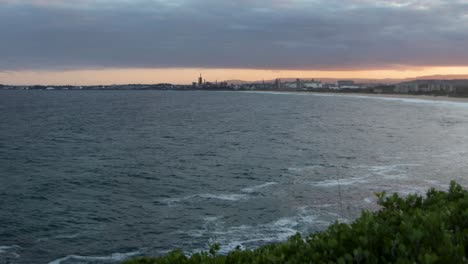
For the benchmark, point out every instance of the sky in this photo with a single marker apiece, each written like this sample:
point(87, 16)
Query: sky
point(151, 41)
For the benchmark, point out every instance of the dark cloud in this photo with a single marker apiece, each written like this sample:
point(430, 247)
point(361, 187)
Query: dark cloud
point(268, 34)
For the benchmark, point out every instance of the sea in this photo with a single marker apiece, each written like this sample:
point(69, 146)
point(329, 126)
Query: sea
point(103, 176)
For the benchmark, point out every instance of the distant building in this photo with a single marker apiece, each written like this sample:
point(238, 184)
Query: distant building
point(200, 80)
point(461, 89)
point(383, 89)
point(278, 84)
point(301, 85)
point(429, 86)
point(298, 84)
point(405, 88)
point(223, 84)
point(350, 87)
point(312, 84)
point(345, 83)
point(289, 86)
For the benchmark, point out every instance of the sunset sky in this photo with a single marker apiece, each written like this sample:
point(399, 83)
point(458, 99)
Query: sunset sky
point(150, 41)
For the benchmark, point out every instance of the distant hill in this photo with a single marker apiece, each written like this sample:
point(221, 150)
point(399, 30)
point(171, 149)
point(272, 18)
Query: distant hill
point(441, 77)
point(360, 80)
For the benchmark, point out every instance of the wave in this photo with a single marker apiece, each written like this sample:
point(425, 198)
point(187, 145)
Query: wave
point(258, 187)
point(438, 184)
point(407, 190)
point(392, 171)
point(249, 236)
point(369, 173)
point(348, 181)
point(10, 250)
point(306, 168)
point(233, 197)
point(421, 188)
point(71, 236)
point(4, 249)
point(115, 257)
point(224, 197)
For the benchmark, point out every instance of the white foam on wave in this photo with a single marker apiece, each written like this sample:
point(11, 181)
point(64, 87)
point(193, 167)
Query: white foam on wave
point(70, 236)
point(438, 184)
point(363, 174)
point(211, 218)
point(339, 182)
point(233, 197)
point(324, 205)
point(407, 190)
point(4, 249)
point(210, 221)
point(244, 236)
point(258, 187)
point(392, 171)
point(224, 197)
point(311, 168)
point(115, 257)
point(10, 250)
point(422, 188)
point(233, 237)
point(305, 169)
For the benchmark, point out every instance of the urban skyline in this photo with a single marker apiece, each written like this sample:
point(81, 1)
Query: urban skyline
point(185, 76)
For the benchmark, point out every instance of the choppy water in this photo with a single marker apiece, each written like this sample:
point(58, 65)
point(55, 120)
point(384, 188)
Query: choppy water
point(99, 176)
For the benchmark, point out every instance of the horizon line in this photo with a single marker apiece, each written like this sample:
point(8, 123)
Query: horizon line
point(186, 76)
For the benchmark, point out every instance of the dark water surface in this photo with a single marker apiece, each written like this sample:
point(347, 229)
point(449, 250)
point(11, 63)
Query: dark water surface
point(98, 176)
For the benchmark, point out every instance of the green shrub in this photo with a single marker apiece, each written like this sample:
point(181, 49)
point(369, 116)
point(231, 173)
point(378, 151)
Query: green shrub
point(412, 229)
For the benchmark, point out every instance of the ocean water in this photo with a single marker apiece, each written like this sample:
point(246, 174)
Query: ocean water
point(100, 176)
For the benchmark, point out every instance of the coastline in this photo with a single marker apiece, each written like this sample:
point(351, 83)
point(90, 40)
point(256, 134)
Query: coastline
point(443, 98)
point(410, 96)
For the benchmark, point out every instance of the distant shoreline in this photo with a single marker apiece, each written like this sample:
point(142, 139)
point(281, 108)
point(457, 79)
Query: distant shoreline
point(443, 98)
point(411, 96)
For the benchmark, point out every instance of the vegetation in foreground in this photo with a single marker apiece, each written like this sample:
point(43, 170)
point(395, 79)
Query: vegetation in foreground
point(414, 229)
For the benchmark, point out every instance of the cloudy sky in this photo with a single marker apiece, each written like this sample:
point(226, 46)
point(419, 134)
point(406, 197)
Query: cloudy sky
point(121, 41)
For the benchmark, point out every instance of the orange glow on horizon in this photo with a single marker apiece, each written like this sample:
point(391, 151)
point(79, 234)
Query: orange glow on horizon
point(189, 75)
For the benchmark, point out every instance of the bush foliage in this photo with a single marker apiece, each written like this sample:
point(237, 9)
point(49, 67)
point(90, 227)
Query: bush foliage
point(412, 229)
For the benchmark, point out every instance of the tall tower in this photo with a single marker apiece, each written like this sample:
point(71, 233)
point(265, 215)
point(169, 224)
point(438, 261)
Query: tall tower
point(200, 80)
point(298, 84)
point(278, 84)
